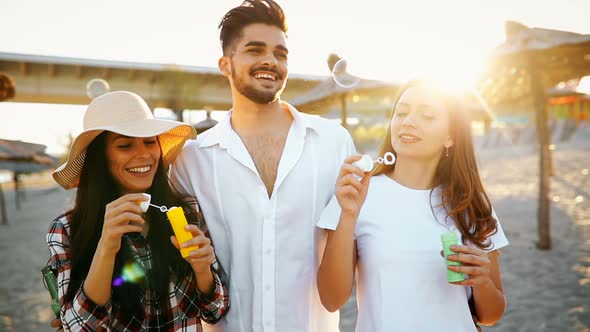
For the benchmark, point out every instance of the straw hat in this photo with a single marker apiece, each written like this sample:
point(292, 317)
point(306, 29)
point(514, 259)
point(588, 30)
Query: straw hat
point(124, 113)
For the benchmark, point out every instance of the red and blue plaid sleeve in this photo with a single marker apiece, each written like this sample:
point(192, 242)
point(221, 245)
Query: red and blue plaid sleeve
point(81, 314)
point(215, 305)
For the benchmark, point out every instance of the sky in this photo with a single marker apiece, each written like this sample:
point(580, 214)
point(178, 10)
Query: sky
point(390, 40)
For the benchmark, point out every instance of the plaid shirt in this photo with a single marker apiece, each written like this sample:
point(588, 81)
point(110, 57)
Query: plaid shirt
point(186, 308)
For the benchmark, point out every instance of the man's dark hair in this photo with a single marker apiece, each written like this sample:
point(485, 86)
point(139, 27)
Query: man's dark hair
point(249, 12)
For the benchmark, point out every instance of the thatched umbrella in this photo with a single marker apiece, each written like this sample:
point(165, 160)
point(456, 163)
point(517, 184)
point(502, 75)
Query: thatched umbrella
point(7, 87)
point(206, 124)
point(23, 158)
point(375, 95)
point(530, 61)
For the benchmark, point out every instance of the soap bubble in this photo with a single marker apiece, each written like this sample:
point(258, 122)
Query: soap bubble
point(342, 76)
point(97, 87)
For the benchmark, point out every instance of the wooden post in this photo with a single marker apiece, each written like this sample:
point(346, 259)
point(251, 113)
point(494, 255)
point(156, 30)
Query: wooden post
point(17, 195)
point(344, 111)
point(544, 138)
point(3, 217)
point(179, 114)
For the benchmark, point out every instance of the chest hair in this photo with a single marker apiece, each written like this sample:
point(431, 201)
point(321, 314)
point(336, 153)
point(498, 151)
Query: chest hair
point(266, 151)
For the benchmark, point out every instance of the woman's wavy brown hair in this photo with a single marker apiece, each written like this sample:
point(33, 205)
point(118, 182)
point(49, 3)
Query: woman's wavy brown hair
point(457, 175)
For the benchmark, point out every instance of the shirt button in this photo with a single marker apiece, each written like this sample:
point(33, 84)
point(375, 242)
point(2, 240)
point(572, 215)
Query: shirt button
point(267, 323)
point(267, 288)
point(267, 251)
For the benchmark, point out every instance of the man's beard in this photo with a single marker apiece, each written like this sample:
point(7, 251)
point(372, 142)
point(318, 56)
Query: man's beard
point(255, 95)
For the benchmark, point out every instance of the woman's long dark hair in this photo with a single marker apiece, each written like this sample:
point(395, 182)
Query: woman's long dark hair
point(96, 189)
point(463, 194)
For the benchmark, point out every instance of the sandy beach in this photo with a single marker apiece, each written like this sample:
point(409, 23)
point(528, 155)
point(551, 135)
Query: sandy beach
point(545, 290)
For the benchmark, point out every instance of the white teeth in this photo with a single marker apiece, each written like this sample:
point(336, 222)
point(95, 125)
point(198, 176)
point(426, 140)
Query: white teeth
point(268, 76)
point(144, 169)
point(406, 137)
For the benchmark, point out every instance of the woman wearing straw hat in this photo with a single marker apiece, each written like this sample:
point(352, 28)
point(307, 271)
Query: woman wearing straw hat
point(119, 268)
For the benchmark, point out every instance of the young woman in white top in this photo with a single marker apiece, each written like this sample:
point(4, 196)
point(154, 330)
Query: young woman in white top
point(390, 230)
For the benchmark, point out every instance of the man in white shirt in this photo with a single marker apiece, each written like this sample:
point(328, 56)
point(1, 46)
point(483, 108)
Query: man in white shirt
point(263, 177)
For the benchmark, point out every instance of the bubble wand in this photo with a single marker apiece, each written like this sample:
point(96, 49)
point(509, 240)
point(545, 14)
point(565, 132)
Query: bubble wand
point(366, 163)
point(178, 221)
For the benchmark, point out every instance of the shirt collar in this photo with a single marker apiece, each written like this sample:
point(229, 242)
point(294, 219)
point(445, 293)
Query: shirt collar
point(220, 133)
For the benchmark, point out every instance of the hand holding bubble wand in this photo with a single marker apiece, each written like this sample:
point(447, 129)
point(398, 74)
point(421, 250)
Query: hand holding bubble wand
point(366, 163)
point(178, 221)
point(133, 271)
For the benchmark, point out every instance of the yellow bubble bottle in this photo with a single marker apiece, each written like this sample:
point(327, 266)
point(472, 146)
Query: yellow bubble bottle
point(178, 221)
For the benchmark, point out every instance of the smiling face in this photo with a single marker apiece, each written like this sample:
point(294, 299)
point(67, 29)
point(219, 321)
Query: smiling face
point(257, 66)
point(132, 161)
point(420, 125)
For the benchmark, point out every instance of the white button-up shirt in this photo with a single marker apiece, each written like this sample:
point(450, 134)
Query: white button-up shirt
point(269, 247)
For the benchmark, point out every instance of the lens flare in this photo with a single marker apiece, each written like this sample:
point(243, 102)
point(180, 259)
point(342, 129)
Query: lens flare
point(132, 273)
